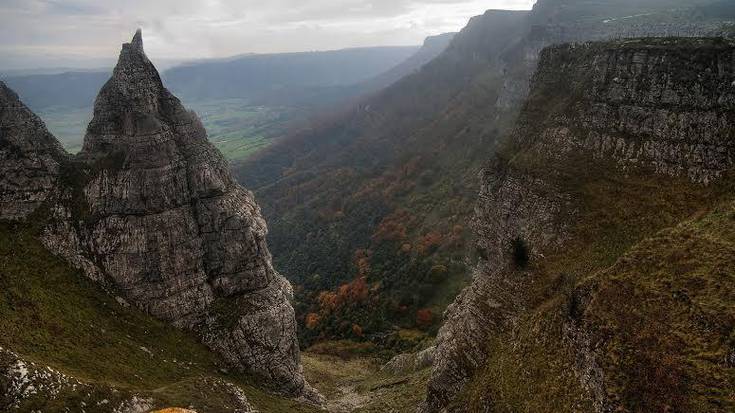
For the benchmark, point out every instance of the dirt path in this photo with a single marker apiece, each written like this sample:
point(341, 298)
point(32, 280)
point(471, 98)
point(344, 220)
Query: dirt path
point(356, 385)
point(349, 400)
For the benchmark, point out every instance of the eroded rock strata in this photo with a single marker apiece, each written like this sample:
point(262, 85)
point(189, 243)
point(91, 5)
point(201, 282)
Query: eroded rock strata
point(646, 127)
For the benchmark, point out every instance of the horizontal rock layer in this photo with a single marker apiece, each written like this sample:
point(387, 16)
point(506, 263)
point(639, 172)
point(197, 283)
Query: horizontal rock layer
point(656, 106)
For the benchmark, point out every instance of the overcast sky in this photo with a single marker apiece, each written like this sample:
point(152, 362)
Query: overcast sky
point(39, 33)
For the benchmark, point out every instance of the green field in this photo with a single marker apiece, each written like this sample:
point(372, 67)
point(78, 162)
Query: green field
point(238, 129)
point(234, 126)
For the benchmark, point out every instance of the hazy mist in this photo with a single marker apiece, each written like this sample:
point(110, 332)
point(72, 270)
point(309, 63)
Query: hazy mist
point(86, 33)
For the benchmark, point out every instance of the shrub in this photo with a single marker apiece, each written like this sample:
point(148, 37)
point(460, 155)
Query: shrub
point(312, 320)
point(424, 317)
point(520, 252)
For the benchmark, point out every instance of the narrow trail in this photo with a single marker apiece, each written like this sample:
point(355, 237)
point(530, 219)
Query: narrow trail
point(349, 400)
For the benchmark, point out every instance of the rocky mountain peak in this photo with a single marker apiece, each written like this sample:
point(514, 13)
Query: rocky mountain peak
point(165, 225)
point(132, 102)
point(137, 41)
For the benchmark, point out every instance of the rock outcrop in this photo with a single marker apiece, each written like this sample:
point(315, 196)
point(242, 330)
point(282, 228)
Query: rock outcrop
point(555, 22)
point(637, 108)
point(30, 158)
point(666, 104)
point(149, 209)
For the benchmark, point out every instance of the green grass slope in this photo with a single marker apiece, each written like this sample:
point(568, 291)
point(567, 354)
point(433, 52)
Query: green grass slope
point(647, 280)
point(665, 314)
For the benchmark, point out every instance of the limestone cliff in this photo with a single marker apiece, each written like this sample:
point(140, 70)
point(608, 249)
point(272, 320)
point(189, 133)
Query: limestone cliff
point(570, 309)
point(30, 158)
point(149, 210)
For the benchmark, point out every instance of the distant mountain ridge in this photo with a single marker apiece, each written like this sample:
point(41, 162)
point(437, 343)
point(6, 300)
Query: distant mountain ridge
point(259, 76)
point(219, 78)
point(433, 46)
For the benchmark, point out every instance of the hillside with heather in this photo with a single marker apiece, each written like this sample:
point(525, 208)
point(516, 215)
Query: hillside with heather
point(605, 231)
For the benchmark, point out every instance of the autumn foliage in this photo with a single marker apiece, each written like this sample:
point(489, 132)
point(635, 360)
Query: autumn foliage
point(362, 262)
point(354, 292)
point(312, 320)
point(393, 227)
point(428, 242)
point(424, 317)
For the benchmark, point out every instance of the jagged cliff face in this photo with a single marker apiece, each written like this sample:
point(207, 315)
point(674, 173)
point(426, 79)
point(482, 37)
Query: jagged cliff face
point(154, 169)
point(150, 210)
point(554, 22)
point(641, 108)
point(617, 142)
point(30, 158)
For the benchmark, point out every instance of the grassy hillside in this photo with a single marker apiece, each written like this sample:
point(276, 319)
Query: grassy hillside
point(648, 272)
point(238, 128)
point(52, 316)
point(354, 382)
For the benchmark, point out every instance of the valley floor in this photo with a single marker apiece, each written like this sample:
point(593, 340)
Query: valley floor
point(355, 383)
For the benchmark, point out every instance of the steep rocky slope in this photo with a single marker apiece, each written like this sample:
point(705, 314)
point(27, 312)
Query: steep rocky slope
point(391, 182)
point(606, 240)
point(149, 211)
point(67, 345)
point(30, 158)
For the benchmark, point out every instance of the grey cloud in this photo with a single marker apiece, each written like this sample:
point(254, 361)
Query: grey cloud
point(37, 32)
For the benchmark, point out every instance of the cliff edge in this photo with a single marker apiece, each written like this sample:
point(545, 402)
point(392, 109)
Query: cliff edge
point(606, 235)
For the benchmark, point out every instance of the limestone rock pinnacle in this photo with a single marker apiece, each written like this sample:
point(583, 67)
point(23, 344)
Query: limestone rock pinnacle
point(169, 228)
